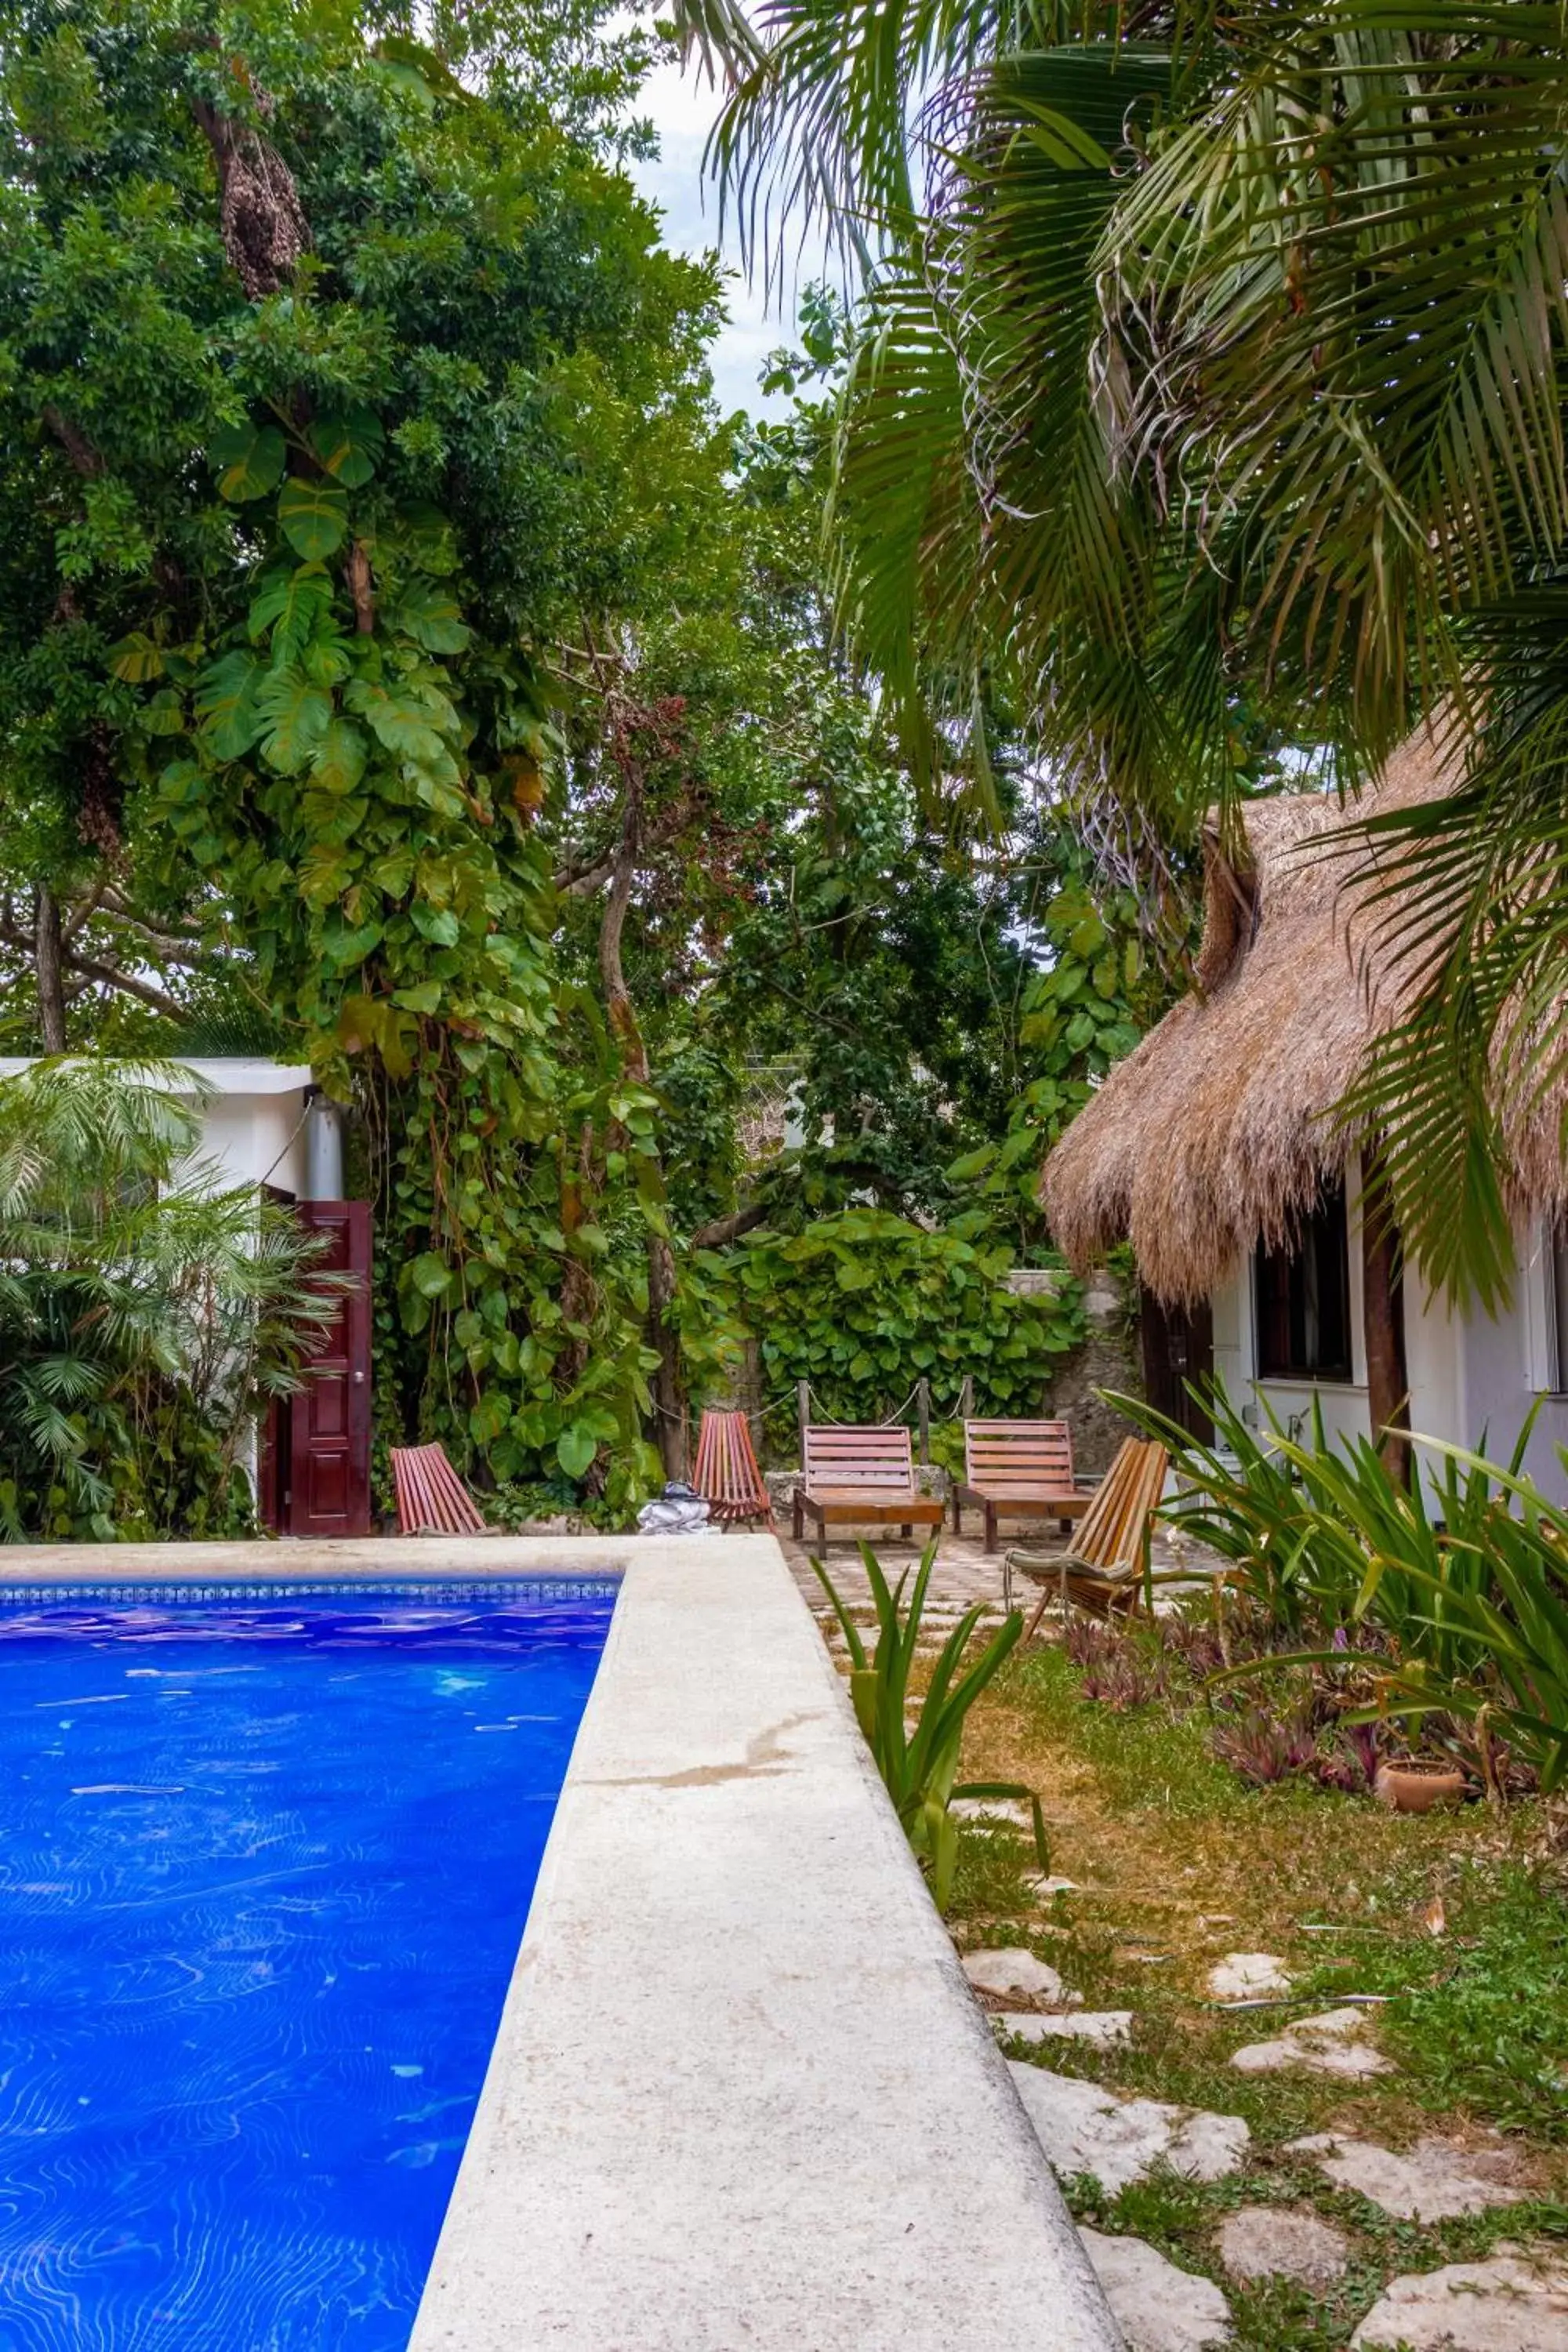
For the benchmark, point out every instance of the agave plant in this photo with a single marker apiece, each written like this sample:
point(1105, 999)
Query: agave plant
point(920, 1766)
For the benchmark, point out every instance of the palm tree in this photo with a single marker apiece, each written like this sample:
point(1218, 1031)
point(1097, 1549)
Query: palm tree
point(1210, 357)
point(146, 1311)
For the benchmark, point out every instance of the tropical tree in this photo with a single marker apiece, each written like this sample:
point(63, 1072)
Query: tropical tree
point(1213, 358)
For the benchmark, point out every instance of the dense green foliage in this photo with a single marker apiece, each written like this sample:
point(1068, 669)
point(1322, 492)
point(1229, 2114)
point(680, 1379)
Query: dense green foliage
point(405, 670)
point(1462, 1576)
point(145, 1311)
point(863, 1304)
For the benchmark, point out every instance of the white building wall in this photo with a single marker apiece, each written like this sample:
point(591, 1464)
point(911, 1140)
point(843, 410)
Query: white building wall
point(1473, 1378)
point(253, 1124)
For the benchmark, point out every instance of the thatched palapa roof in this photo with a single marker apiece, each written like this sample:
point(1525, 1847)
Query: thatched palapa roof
point(1215, 1134)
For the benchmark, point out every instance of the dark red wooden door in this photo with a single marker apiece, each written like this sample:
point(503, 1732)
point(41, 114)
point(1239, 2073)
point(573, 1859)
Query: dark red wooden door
point(329, 1452)
point(1178, 1349)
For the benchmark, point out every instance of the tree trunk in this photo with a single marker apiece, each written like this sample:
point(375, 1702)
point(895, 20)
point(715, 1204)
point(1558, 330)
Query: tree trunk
point(1383, 1315)
point(49, 970)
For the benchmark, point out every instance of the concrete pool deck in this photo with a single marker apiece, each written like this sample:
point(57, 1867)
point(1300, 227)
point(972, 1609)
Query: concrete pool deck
point(741, 2096)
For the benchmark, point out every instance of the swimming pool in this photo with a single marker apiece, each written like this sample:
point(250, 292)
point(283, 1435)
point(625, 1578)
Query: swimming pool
point(265, 1854)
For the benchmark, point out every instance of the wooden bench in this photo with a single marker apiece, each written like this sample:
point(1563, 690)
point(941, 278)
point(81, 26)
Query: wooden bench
point(727, 1476)
point(1108, 1567)
point(432, 1500)
point(858, 1476)
point(1022, 1467)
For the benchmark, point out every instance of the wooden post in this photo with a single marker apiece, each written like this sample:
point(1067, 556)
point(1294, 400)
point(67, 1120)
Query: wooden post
point(966, 1398)
point(1382, 1315)
point(922, 1404)
point(802, 1413)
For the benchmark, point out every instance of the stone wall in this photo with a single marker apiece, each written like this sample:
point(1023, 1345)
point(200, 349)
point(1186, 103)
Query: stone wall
point(1107, 1359)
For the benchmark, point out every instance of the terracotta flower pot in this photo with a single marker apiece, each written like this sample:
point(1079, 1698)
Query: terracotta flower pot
point(1412, 1784)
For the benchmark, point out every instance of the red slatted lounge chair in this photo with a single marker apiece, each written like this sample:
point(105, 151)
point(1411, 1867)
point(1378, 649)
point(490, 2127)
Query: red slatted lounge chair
point(432, 1500)
point(1022, 1467)
point(855, 1475)
point(727, 1476)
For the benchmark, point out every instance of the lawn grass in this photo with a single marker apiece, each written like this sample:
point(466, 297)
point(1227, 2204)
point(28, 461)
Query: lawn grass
point(1177, 1862)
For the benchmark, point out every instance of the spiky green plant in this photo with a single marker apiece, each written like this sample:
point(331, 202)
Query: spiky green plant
point(920, 1766)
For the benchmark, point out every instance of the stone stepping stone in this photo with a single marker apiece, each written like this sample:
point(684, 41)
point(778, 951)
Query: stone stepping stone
point(1247, 1976)
point(1327, 2044)
point(1158, 2307)
point(1103, 2027)
point(1435, 2182)
point(1264, 2241)
point(1016, 1975)
point(1084, 2128)
point(993, 1809)
point(1502, 2305)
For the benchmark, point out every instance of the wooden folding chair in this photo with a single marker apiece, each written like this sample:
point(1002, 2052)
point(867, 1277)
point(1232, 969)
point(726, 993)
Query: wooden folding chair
point(855, 1475)
point(1022, 1467)
point(727, 1476)
point(432, 1500)
point(1107, 1567)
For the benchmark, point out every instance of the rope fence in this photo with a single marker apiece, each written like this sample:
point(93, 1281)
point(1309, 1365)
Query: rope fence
point(810, 1412)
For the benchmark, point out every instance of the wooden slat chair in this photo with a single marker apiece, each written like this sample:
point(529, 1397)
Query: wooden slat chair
point(727, 1476)
point(1022, 1467)
point(852, 1476)
point(432, 1500)
point(1106, 1568)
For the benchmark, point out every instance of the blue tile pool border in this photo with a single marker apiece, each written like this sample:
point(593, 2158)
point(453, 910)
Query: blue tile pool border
point(536, 1591)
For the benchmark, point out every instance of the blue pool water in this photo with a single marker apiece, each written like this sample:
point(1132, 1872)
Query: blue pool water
point(264, 1861)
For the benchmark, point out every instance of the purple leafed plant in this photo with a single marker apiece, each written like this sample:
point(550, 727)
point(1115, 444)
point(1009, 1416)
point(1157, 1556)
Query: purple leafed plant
point(1352, 1760)
point(1264, 1747)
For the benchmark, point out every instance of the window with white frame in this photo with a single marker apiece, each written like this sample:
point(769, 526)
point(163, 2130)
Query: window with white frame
point(1554, 1264)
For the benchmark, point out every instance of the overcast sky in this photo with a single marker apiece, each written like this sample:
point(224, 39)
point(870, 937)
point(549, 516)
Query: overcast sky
point(682, 107)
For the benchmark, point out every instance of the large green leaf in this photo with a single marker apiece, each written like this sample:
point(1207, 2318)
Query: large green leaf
point(296, 716)
point(227, 707)
point(313, 517)
point(289, 605)
point(249, 460)
point(402, 722)
point(349, 446)
point(574, 1450)
point(432, 616)
point(340, 761)
point(136, 659)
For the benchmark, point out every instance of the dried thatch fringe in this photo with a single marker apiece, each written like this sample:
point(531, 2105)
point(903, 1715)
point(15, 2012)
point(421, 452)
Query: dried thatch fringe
point(1216, 1133)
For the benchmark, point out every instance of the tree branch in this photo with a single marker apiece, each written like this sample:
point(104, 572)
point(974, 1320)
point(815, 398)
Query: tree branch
point(724, 1230)
point(106, 976)
point(581, 878)
point(74, 442)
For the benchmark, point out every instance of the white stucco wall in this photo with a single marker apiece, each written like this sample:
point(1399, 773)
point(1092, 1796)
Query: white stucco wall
point(253, 1125)
point(1472, 1377)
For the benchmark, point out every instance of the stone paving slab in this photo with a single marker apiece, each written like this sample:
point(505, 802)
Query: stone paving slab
point(1158, 2307)
point(1084, 2128)
point(1506, 2304)
point(1330, 2043)
point(1104, 2027)
point(1435, 2182)
point(1264, 2241)
point(1014, 1974)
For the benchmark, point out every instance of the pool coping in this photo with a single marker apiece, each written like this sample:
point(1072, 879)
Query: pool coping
point(740, 2094)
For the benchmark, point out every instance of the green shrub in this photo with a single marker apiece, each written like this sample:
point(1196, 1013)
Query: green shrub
point(863, 1304)
point(1464, 1573)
